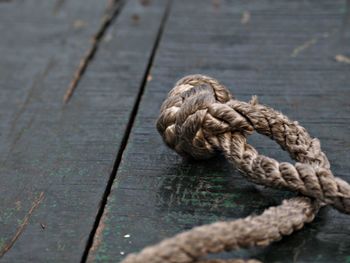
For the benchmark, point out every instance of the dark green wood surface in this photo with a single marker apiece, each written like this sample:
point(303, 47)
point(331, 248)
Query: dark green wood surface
point(285, 55)
point(40, 47)
point(60, 156)
point(58, 161)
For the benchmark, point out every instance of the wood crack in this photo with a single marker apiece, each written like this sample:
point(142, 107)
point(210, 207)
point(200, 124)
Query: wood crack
point(32, 92)
point(22, 226)
point(111, 12)
point(91, 246)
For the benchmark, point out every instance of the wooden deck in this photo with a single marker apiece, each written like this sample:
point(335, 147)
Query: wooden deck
point(89, 179)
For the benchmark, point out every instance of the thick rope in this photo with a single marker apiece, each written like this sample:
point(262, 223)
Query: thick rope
point(229, 261)
point(270, 226)
point(199, 119)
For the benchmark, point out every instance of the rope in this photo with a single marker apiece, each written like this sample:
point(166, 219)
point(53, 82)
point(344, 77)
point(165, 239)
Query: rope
point(200, 119)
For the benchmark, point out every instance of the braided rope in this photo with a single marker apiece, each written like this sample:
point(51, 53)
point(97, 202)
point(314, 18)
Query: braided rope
point(199, 119)
point(270, 226)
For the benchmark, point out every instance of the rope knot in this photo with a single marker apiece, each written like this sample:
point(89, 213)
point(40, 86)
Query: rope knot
point(198, 118)
point(195, 113)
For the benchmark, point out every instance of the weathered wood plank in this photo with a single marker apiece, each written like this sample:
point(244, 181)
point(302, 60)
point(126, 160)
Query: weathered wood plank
point(282, 51)
point(61, 163)
point(41, 43)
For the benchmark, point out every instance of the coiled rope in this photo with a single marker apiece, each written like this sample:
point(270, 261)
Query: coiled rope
point(199, 119)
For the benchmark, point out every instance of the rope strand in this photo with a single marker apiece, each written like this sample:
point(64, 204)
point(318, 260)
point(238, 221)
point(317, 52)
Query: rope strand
point(259, 231)
point(199, 119)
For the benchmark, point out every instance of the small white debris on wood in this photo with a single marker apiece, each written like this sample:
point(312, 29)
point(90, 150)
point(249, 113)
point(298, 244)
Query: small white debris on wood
point(342, 59)
point(245, 17)
point(108, 37)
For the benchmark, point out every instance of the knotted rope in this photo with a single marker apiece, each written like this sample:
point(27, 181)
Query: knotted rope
point(199, 119)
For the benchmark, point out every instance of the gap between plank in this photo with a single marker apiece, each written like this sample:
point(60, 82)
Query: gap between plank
point(112, 10)
point(126, 134)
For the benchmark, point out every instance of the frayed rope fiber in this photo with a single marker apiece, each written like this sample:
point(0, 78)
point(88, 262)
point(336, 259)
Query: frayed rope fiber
point(200, 119)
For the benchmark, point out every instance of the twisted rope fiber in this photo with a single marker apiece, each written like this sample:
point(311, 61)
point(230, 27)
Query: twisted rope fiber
point(199, 119)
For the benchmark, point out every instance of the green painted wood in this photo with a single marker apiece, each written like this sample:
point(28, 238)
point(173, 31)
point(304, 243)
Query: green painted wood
point(56, 162)
point(284, 54)
point(40, 46)
point(40, 41)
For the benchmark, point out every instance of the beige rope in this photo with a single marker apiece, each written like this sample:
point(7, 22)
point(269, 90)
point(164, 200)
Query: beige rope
point(199, 119)
point(243, 233)
point(229, 261)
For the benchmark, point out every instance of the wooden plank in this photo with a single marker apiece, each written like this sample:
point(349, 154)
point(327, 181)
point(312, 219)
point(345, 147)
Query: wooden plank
point(282, 51)
point(37, 39)
point(54, 178)
point(41, 43)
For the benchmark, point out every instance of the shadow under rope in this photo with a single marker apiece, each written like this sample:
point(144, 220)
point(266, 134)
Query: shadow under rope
point(213, 187)
point(326, 239)
point(201, 192)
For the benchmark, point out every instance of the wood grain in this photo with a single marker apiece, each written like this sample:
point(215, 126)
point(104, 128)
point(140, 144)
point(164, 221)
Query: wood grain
point(65, 151)
point(284, 54)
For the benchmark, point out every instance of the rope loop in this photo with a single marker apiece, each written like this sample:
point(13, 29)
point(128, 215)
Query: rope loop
point(199, 119)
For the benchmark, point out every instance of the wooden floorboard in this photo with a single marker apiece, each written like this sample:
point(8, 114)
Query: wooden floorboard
point(282, 51)
point(41, 44)
point(57, 158)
